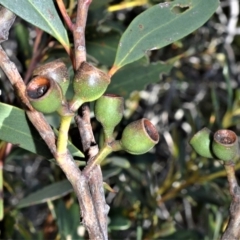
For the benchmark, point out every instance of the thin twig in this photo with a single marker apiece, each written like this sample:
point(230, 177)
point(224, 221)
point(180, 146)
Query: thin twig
point(79, 32)
point(85, 128)
point(233, 185)
point(81, 188)
point(90, 149)
point(37, 53)
point(232, 231)
point(65, 15)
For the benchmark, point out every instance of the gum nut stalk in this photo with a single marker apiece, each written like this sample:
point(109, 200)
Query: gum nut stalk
point(139, 137)
point(225, 145)
point(201, 143)
point(89, 83)
point(44, 94)
point(55, 70)
point(108, 111)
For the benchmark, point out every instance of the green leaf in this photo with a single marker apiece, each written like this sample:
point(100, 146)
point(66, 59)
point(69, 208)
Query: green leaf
point(118, 161)
point(184, 234)
point(99, 4)
point(108, 188)
point(110, 172)
point(49, 193)
point(15, 128)
point(67, 220)
point(40, 13)
point(119, 223)
point(97, 12)
point(103, 47)
point(136, 76)
point(22, 36)
point(161, 25)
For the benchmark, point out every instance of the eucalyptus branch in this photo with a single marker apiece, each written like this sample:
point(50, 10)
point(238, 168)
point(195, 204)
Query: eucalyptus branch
point(90, 149)
point(79, 32)
point(14, 77)
point(85, 129)
point(233, 231)
point(81, 188)
point(36, 117)
point(65, 161)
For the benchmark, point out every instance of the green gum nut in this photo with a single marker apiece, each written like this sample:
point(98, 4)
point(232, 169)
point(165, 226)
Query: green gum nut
point(89, 84)
point(44, 94)
point(225, 145)
point(201, 143)
point(55, 70)
point(108, 111)
point(139, 137)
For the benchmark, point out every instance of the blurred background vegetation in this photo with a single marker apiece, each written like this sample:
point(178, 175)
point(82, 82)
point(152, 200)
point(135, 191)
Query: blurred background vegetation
point(168, 193)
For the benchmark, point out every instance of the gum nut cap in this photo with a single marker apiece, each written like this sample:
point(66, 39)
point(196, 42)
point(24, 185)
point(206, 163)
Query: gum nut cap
point(139, 137)
point(109, 109)
point(201, 143)
point(56, 70)
point(90, 83)
point(225, 145)
point(44, 94)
